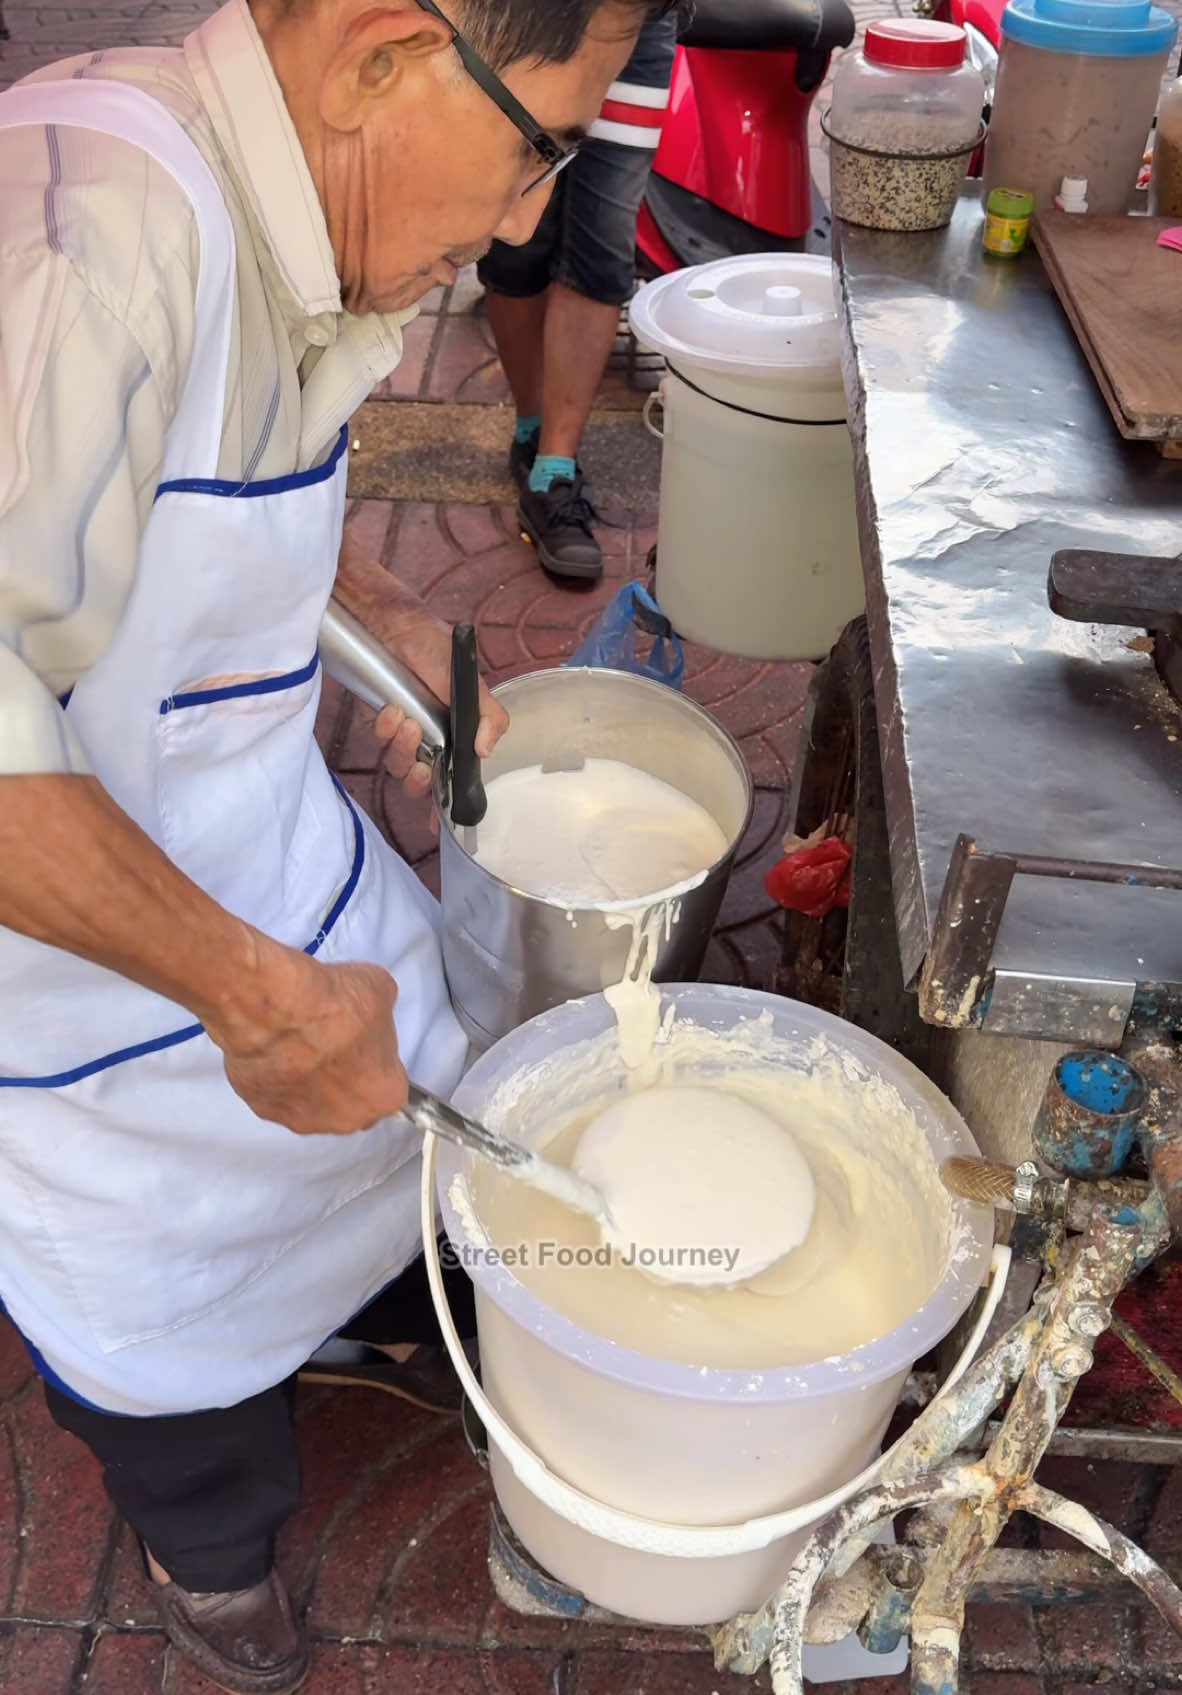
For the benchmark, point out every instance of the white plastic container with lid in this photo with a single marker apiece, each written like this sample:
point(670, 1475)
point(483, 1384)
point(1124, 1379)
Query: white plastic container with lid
point(905, 119)
point(757, 550)
point(1077, 87)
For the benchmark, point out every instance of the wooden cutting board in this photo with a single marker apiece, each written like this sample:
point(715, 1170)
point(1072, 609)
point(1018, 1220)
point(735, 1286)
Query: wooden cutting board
point(1123, 295)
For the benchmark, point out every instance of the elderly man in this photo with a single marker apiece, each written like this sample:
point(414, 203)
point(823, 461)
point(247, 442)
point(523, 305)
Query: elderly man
point(208, 258)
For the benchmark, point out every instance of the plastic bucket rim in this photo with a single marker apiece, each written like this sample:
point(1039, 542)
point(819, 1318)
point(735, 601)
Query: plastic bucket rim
point(861, 1368)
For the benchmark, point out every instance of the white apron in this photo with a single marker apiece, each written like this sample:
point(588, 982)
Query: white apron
point(161, 1248)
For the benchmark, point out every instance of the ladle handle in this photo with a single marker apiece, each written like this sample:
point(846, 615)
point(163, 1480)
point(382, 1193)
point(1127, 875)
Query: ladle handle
point(431, 1116)
point(362, 665)
point(468, 800)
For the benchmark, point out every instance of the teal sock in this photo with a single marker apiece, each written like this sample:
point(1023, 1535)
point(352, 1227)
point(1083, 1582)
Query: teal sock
point(549, 468)
point(526, 427)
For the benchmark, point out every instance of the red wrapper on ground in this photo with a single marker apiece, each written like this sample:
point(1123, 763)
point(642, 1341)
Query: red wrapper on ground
point(813, 880)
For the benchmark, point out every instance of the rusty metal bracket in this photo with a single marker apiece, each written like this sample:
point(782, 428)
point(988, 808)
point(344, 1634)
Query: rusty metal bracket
point(954, 981)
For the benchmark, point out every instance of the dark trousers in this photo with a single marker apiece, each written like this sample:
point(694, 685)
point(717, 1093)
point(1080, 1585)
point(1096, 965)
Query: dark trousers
point(208, 1492)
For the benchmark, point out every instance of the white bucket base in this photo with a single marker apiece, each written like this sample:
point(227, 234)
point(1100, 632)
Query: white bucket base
point(846, 1661)
point(649, 1588)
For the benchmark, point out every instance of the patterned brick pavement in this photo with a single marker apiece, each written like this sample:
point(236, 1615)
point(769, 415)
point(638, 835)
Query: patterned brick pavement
point(388, 1550)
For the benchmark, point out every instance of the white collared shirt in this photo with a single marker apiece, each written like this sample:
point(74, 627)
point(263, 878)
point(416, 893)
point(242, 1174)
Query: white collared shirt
point(98, 267)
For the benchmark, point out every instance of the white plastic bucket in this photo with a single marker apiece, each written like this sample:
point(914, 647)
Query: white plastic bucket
point(757, 550)
point(671, 1493)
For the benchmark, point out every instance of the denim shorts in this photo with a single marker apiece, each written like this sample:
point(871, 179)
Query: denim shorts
point(587, 235)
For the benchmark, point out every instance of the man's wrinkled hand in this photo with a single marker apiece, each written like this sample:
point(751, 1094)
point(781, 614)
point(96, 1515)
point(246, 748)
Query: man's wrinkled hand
point(319, 1053)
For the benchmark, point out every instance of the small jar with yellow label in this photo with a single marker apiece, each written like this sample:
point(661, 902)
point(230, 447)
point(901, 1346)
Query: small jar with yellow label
point(1008, 212)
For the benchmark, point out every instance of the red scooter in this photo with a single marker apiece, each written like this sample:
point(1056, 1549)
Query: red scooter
point(731, 173)
point(981, 22)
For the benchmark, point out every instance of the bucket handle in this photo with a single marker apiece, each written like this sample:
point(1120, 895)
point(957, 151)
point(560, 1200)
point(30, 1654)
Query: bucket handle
point(656, 397)
point(612, 1524)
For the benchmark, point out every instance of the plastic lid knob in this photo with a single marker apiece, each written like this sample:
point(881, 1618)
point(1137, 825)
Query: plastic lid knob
point(781, 300)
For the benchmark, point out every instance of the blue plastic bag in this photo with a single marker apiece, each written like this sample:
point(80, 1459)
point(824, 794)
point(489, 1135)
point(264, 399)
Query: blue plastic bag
point(615, 639)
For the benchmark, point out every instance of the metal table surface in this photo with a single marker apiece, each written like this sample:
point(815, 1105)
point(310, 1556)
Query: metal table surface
point(983, 446)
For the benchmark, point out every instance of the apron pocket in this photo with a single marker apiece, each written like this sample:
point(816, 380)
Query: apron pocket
point(245, 800)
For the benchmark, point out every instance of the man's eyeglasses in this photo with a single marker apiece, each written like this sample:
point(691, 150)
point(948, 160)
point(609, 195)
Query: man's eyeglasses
point(554, 157)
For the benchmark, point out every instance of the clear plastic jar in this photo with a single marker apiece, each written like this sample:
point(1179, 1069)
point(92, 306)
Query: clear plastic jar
point(1166, 182)
point(905, 118)
point(1077, 85)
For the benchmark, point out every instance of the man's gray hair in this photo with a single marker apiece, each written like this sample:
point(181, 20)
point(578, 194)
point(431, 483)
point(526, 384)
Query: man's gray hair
point(542, 31)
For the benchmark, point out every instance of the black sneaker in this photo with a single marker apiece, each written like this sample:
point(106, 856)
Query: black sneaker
point(558, 522)
point(521, 458)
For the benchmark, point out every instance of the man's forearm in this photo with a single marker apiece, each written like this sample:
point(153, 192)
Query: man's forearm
point(76, 872)
point(370, 593)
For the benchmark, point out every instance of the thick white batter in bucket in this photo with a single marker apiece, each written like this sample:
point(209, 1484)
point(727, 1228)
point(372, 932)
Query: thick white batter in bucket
point(865, 1265)
point(700, 1186)
point(606, 832)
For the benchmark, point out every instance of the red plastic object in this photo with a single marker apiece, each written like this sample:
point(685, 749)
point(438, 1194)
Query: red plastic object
point(915, 44)
point(813, 880)
point(984, 15)
point(736, 132)
point(652, 243)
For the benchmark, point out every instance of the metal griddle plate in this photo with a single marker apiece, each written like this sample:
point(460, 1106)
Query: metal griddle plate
point(983, 448)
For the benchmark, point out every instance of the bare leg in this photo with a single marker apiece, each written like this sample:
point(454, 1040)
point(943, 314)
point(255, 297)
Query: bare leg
point(518, 327)
point(579, 334)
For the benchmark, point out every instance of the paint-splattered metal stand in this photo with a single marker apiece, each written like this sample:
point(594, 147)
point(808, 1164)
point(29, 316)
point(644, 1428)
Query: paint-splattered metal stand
point(1100, 1201)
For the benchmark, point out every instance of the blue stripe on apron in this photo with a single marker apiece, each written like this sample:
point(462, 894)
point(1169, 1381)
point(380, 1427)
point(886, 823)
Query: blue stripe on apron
point(174, 1038)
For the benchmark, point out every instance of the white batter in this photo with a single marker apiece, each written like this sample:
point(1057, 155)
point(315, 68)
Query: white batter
point(702, 1187)
point(607, 832)
point(864, 1266)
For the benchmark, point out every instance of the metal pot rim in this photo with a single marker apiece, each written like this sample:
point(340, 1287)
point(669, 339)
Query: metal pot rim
point(636, 903)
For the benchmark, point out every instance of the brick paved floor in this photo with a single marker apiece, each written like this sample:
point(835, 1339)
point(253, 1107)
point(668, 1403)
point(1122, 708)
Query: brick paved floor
point(388, 1550)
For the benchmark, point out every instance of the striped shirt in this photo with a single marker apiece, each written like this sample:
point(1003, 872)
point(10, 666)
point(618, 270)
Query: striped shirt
point(98, 267)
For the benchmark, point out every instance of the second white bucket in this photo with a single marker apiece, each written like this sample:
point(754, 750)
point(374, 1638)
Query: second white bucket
point(670, 1493)
point(757, 547)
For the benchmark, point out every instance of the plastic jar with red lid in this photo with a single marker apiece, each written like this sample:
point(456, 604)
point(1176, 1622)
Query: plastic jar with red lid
point(905, 119)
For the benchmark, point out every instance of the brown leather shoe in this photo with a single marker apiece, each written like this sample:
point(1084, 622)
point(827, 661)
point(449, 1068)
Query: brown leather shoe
point(246, 1641)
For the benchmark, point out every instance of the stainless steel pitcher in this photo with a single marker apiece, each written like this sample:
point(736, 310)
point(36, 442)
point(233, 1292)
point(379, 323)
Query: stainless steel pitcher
point(509, 955)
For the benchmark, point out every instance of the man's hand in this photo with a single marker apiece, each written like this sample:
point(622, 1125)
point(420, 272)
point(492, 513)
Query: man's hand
point(423, 643)
point(318, 1052)
point(308, 1045)
point(402, 622)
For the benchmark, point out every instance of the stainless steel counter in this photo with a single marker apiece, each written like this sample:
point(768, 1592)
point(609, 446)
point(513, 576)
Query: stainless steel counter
point(983, 446)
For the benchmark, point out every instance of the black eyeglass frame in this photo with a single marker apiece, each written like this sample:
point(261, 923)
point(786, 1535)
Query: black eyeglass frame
point(554, 157)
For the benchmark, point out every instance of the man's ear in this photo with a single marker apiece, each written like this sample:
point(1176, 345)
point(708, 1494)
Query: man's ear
point(377, 45)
